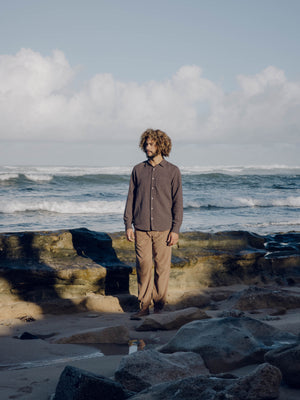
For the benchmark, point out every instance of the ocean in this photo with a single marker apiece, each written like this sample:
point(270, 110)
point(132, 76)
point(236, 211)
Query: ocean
point(259, 199)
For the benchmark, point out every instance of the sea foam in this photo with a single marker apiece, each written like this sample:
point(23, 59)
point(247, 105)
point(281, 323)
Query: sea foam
point(63, 207)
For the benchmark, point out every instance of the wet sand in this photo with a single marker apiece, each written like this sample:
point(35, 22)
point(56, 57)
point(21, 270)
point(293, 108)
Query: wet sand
point(30, 369)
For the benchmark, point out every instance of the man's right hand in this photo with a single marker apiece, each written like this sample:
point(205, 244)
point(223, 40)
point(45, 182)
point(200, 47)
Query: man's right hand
point(130, 235)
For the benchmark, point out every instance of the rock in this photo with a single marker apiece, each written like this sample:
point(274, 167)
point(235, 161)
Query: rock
point(66, 265)
point(221, 259)
point(231, 313)
point(146, 368)
point(283, 245)
point(113, 334)
point(42, 267)
point(287, 359)
point(99, 303)
point(28, 336)
point(77, 384)
point(227, 343)
point(254, 298)
point(171, 320)
point(262, 384)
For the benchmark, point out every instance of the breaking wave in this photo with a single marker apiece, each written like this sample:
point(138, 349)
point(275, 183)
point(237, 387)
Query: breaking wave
point(63, 207)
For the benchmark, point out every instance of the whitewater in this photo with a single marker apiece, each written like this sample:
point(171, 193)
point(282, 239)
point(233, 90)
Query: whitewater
point(261, 199)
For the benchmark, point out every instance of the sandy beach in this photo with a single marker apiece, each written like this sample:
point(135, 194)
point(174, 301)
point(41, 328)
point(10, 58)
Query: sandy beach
point(30, 369)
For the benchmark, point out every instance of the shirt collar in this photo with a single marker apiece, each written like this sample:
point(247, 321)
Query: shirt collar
point(162, 163)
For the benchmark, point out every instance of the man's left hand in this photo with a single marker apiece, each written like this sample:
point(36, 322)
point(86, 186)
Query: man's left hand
point(172, 238)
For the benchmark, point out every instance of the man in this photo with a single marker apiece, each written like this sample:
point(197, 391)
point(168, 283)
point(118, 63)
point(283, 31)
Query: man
point(155, 208)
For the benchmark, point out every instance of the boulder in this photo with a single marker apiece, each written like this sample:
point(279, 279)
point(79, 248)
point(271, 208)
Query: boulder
point(171, 320)
point(227, 343)
point(113, 334)
point(261, 384)
point(100, 303)
point(77, 384)
point(146, 368)
point(287, 359)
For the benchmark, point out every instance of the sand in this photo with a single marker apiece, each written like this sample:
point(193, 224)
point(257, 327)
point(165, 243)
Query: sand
point(30, 369)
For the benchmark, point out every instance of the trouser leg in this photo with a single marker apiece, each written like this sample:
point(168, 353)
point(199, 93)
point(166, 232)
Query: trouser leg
point(143, 249)
point(162, 265)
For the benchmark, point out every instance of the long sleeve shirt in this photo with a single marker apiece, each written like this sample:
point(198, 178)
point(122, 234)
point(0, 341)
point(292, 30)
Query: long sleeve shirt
point(154, 201)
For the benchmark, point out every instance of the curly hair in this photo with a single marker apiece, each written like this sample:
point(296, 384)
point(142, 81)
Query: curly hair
point(161, 139)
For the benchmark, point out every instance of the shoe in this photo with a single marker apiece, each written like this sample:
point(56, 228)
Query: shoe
point(138, 315)
point(158, 307)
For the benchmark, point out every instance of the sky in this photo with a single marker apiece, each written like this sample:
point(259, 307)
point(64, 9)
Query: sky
point(81, 80)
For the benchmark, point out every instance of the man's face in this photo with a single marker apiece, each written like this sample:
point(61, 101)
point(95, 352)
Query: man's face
point(150, 148)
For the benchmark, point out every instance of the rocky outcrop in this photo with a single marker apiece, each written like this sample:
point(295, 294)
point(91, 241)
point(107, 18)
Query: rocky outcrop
point(287, 359)
point(262, 384)
point(62, 267)
point(68, 267)
point(143, 369)
point(226, 258)
point(228, 343)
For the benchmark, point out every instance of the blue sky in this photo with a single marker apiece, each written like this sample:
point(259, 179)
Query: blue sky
point(80, 81)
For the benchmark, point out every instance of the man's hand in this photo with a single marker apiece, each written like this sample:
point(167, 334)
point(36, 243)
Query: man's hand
point(172, 238)
point(130, 235)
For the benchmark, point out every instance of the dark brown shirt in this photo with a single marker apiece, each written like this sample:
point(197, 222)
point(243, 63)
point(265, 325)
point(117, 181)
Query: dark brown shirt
point(154, 201)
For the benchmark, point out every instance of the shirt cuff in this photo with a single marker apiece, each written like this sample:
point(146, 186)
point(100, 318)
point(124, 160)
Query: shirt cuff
point(175, 229)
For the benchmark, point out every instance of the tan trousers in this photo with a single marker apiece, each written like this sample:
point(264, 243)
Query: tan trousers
point(152, 246)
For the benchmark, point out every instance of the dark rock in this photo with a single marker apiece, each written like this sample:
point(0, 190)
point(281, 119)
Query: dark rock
point(77, 384)
point(261, 384)
point(227, 343)
point(279, 311)
point(287, 359)
point(26, 318)
point(283, 245)
point(171, 320)
point(146, 368)
point(254, 298)
point(28, 336)
point(231, 313)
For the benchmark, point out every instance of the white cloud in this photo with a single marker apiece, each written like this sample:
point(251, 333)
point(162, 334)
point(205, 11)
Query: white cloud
point(36, 103)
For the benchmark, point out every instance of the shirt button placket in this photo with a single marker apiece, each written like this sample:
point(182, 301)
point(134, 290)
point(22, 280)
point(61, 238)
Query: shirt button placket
point(152, 199)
